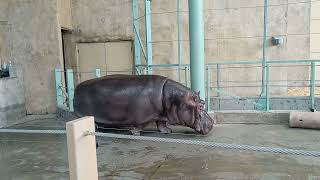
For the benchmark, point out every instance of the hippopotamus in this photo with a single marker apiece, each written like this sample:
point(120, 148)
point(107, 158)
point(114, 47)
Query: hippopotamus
point(135, 101)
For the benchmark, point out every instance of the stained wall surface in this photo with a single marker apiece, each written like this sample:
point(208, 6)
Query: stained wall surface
point(233, 31)
point(34, 34)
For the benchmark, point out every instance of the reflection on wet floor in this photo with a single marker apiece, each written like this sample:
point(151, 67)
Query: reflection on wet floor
point(24, 157)
point(246, 166)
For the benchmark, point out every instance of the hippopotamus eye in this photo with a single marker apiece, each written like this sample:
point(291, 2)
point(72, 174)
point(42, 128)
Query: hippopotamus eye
point(202, 102)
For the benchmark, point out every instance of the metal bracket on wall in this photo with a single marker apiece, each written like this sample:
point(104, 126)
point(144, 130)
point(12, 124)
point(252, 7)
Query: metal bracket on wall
point(262, 101)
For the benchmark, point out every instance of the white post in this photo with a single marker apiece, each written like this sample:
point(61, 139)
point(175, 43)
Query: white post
point(82, 149)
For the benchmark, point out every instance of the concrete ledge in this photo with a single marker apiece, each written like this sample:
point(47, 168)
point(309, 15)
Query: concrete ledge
point(223, 117)
point(251, 117)
point(12, 99)
point(276, 103)
point(10, 116)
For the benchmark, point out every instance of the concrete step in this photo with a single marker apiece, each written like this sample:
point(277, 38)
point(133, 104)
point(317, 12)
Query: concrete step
point(251, 117)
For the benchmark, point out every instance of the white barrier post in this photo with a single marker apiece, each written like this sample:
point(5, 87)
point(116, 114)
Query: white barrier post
point(82, 149)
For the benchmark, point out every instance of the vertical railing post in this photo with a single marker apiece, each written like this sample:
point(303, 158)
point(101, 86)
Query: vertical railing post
point(98, 73)
point(267, 87)
point(137, 48)
point(59, 91)
point(208, 88)
point(312, 84)
point(265, 20)
point(70, 90)
point(148, 35)
point(145, 70)
point(179, 47)
point(218, 85)
point(186, 76)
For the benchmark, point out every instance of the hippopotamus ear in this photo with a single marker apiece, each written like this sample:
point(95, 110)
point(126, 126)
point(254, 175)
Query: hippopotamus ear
point(190, 99)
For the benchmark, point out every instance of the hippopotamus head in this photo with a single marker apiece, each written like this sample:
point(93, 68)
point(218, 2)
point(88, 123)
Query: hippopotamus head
point(189, 111)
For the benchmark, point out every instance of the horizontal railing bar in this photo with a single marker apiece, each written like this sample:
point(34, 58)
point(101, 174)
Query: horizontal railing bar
point(292, 61)
point(163, 65)
point(233, 62)
point(221, 63)
point(238, 62)
point(259, 86)
point(270, 61)
point(270, 81)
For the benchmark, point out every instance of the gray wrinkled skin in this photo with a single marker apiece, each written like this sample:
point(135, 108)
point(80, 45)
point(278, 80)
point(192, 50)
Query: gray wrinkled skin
point(129, 101)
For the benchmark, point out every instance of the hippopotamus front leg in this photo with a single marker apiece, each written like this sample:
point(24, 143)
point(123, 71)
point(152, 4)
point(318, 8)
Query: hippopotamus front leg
point(136, 131)
point(162, 126)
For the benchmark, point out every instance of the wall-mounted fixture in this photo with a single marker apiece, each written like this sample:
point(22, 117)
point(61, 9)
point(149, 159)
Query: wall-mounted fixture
point(277, 40)
point(7, 70)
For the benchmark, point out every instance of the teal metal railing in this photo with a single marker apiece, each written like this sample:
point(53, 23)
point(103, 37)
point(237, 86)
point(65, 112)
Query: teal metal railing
point(65, 93)
point(65, 90)
point(147, 51)
point(265, 86)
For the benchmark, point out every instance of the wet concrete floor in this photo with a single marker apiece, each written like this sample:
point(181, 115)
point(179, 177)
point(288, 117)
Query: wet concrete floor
point(33, 157)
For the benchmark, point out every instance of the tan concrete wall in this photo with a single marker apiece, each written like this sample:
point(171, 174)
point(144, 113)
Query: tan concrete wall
point(97, 21)
point(35, 37)
point(315, 35)
point(5, 41)
point(5, 28)
point(64, 13)
point(102, 20)
point(231, 34)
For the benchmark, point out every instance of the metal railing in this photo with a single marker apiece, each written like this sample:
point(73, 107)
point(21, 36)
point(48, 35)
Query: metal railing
point(65, 93)
point(265, 86)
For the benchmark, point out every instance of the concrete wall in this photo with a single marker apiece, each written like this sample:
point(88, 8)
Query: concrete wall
point(236, 34)
point(64, 13)
point(35, 46)
point(5, 41)
point(104, 21)
point(5, 27)
point(12, 100)
point(100, 20)
point(232, 33)
point(314, 35)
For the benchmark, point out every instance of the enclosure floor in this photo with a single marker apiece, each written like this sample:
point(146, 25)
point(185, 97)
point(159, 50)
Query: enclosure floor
point(33, 157)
